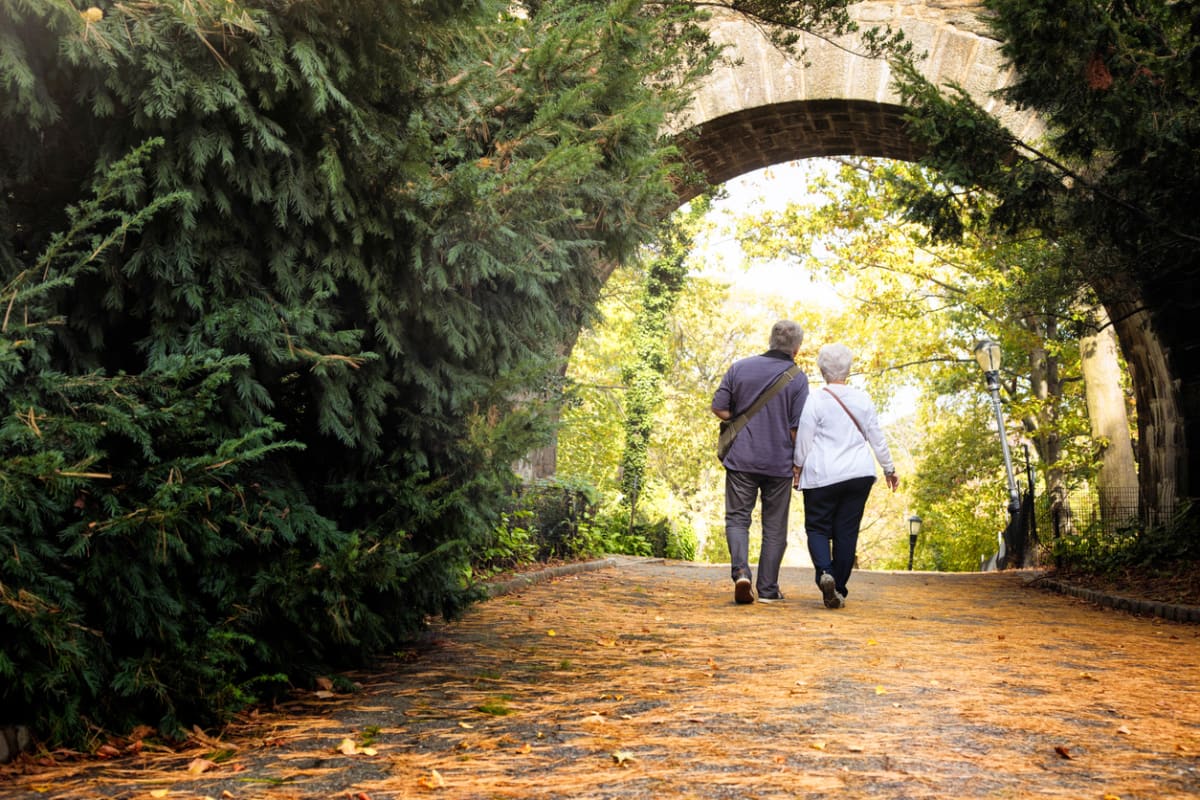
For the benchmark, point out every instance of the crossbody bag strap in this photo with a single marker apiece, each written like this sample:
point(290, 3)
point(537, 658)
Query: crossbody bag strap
point(784, 379)
point(847, 410)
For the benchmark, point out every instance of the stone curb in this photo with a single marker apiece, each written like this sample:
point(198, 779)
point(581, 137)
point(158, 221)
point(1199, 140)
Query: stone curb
point(498, 588)
point(1132, 605)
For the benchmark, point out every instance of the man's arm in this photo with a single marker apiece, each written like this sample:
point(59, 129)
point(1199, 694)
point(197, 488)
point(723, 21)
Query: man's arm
point(722, 413)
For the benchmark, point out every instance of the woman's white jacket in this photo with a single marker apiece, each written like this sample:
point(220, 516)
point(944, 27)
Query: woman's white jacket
point(829, 446)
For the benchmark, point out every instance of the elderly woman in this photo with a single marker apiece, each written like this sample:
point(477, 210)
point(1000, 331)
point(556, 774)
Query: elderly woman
point(837, 444)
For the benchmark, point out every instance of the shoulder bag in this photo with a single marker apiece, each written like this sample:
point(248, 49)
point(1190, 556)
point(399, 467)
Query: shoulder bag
point(730, 428)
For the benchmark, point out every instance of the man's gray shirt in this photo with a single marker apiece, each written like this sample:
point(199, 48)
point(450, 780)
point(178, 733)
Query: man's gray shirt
point(764, 446)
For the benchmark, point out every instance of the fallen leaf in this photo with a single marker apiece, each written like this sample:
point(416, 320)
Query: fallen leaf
point(107, 751)
point(622, 756)
point(606, 642)
point(200, 765)
point(1063, 752)
point(466, 725)
point(855, 748)
point(1123, 729)
point(551, 633)
point(880, 690)
point(817, 745)
point(347, 747)
point(1111, 797)
point(434, 780)
point(369, 751)
point(160, 792)
point(528, 748)
point(323, 694)
point(871, 642)
point(325, 683)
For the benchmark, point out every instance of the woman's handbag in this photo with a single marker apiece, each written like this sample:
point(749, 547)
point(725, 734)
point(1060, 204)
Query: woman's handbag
point(730, 428)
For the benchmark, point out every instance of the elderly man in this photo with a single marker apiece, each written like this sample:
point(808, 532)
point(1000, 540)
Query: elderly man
point(759, 462)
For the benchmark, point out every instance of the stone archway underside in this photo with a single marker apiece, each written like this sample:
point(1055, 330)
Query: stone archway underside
point(754, 138)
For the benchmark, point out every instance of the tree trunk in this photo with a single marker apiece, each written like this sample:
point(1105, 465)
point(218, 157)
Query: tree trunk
point(1117, 480)
point(1046, 385)
point(1161, 447)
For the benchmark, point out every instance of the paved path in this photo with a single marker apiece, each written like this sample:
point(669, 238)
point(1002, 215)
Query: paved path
point(645, 680)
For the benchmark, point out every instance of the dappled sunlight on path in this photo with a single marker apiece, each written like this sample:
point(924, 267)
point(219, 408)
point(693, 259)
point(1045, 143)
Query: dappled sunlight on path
point(646, 680)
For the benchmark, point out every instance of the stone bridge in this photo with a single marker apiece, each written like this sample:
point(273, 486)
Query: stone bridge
point(772, 108)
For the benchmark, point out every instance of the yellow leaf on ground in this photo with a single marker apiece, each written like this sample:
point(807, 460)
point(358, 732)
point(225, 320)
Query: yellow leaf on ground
point(817, 745)
point(347, 747)
point(621, 757)
point(871, 642)
point(551, 633)
point(160, 792)
point(880, 690)
point(369, 751)
point(434, 780)
point(200, 765)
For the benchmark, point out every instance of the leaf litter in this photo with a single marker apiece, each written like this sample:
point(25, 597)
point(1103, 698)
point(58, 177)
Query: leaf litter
point(655, 684)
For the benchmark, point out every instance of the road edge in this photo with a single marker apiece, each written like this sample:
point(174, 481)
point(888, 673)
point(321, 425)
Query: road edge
point(1170, 611)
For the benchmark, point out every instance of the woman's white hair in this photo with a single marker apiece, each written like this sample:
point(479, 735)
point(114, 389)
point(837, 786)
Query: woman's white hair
point(834, 361)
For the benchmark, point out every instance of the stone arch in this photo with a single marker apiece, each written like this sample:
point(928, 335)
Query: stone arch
point(768, 107)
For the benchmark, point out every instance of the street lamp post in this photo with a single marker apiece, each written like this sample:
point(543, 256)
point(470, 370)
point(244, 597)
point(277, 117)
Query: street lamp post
point(914, 530)
point(987, 353)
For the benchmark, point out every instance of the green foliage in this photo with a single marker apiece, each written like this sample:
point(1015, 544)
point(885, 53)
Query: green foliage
point(665, 274)
point(548, 520)
point(618, 534)
point(263, 391)
point(1114, 183)
point(1174, 542)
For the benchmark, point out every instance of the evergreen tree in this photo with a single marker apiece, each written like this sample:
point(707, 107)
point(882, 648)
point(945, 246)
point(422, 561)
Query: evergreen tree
point(275, 414)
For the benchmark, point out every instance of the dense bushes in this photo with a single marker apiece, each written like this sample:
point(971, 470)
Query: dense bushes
point(258, 379)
